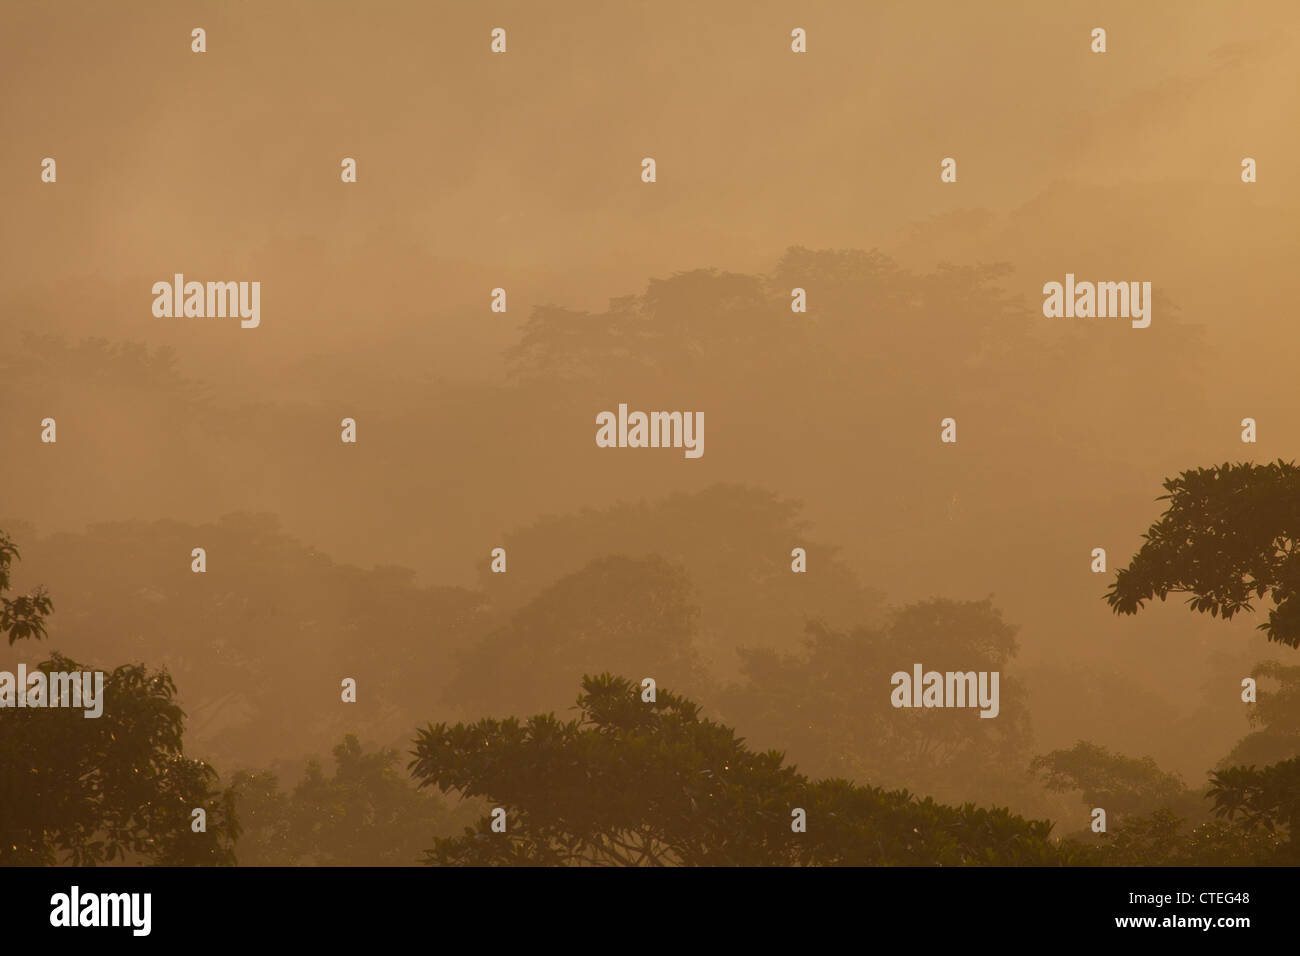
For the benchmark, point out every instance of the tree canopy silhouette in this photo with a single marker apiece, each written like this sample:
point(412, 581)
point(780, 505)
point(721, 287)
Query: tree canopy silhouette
point(369, 813)
point(630, 782)
point(1230, 534)
point(24, 615)
point(1267, 799)
point(89, 791)
point(1124, 786)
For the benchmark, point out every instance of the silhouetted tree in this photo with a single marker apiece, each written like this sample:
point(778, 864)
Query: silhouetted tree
point(97, 790)
point(631, 782)
point(1166, 838)
point(1152, 817)
point(1230, 533)
point(368, 813)
point(89, 791)
point(1123, 786)
point(1267, 799)
point(24, 615)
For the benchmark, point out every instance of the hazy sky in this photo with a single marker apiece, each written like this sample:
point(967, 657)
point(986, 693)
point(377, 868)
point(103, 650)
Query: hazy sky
point(523, 171)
